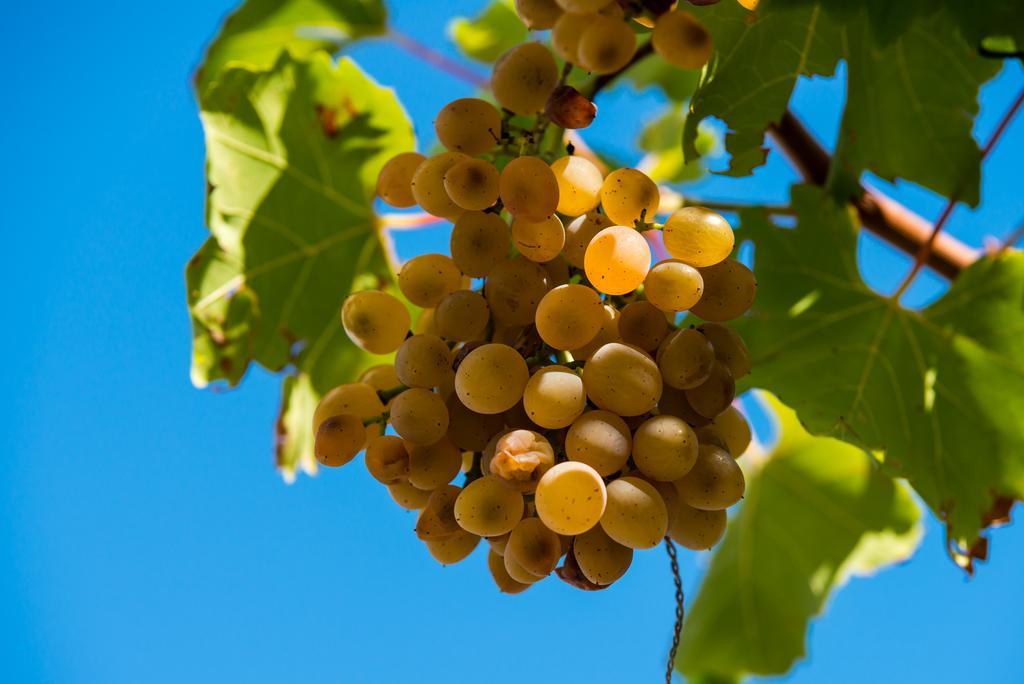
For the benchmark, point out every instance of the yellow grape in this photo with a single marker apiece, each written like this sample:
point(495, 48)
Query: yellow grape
point(681, 40)
point(504, 581)
point(535, 547)
point(699, 237)
point(674, 403)
point(453, 549)
point(715, 481)
point(462, 316)
point(581, 6)
point(686, 359)
point(354, 398)
point(664, 448)
point(715, 394)
point(569, 316)
point(387, 459)
point(419, 416)
point(729, 347)
point(622, 379)
point(668, 493)
point(554, 397)
point(408, 497)
point(609, 332)
point(433, 465)
point(617, 260)
point(580, 232)
point(520, 458)
point(498, 543)
point(428, 278)
point(469, 125)
point(628, 194)
point(538, 15)
point(513, 290)
point(472, 184)
point(570, 498)
point(643, 325)
point(470, 430)
point(696, 529)
point(734, 429)
point(428, 185)
point(528, 188)
point(479, 242)
point(423, 361)
point(557, 270)
point(600, 439)
point(488, 507)
point(579, 185)
point(516, 419)
point(394, 183)
point(673, 285)
point(425, 324)
point(606, 45)
point(602, 560)
point(437, 519)
point(635, 516)
point(749, 4)
point(538, 241)
point(709, 435)
point(491, 379)
point(375, 321)
point(524, 77)
point(339, 439)
point(566, 34)
point(516, 570)
point(380, 377)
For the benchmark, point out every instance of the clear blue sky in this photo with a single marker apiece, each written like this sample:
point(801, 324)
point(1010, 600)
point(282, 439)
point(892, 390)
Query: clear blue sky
point(144, 535)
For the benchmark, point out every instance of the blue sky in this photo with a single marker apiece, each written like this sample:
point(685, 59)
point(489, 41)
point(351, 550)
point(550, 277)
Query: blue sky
point(144, 535)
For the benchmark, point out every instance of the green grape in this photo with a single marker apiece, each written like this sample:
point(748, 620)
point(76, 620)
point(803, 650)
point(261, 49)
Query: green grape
point(729, 347)
point(394, 183)
point(715, 394)
point(428, 278)
point(453, 549)
point(338, 440)
point(566, 34)
point(516, 570)
point(408, 497)
point(491, 379)
point(380, 377)
point(606, 45)
point(419, 416)
point(423, 361)
point(504, 581)
point(428, 185)
point(579, 185)
point(570, 498)
point(437, 519)
point(664, 448)
point(354, 398)
point(520, 458)
point(469, 125)
point(581, 6)
point(470, 430)
point(538, 15)
point(635, 515)
point(375, 321)
point(622, 379)
point(617, 260)
point(488, 507)
point(673, 402)
point(538, 241)
point(472, 184)
point(602, 560)
point(387, 459)
point(600, 439)
point(696, 529)
point(554, 397)
point(672, 285)
point(686, 359)
point(609, 332)
point(498, 543)
point(628, 194)
point(734, 430)
point(535, 547)
point(569, 316)
point(479, 242)
point(681, 40)
point(557, 270)
point(513, 290)
point(433, 465)
point(715, 481)
point(643, 325)
point(462, 316)
point(528, 188)
point(699, 237)
point(580, 232)
point(524, 77)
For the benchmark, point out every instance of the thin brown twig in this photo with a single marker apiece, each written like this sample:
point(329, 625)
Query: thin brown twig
point(1011, 239)
point(604, 80)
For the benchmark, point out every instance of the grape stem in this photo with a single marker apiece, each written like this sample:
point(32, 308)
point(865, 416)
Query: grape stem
point(387, 395)
point(382, 419)
point(677, 631)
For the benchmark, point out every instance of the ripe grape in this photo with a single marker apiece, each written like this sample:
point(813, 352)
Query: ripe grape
point(433, 465)
point(674, 403)
point(606, 45)
point(538, 241)
point(462, 316)
point(715, 481)
point(698, 236)
point(554, 397)
point(664, 448)
point(600, 439)
point(472, 184)
point(617, 260)
point(520, 458)
point(566, 34)
point(479, 241)
point(734, 430)
point(696, 529)
point(569, 316)
point(568, 108)
point(581, 6)
point(686, 359)
point(428, 278)
point(681, 40)
point(516, 419)
point(609, 332)
point(580, 232)
point(408, 497)
point(375, 321)
point(354, 398)
point(715, 394)
point(419, 416)
point(579, 185)
point(423, 361)
point(513, 290)
point(635, 516)
point(516, 570)
point(339, 439)
point(437, 519)
point(394, 183)
point(643, 325)
point(570, 498)
point(622, 379)
point(469, 125)
point(602, 560)
point(729, 347)
point(489, 507)
point(380, 377)
point(538, 14)
point(524, 77)
point(387, 459)
point(504, 581)
point(557, 270)
point(428, 185)
point(673, 285)
point(528, 188)
point(535, 547)
point(491, 379)
point(627, 195)
point(470, 430)
point(453, 549)
point(498, 543)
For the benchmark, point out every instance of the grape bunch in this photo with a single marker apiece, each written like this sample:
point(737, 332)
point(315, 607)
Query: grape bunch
point(546, 365)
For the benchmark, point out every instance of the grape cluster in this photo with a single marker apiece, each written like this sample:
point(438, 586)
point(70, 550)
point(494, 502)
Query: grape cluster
point(587, 423)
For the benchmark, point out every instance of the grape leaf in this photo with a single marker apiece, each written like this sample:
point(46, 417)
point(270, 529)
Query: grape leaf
point(817, 511)
point(293, 154)
point(938, 391)
point(677, 84)
point(258, 31)
point(490, 34)
point(664, 162)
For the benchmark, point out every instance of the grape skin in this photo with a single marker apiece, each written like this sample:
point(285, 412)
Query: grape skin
point(419, 416)
point(513, 290)
point(698, 236)
point(394, 183)
point(503, 580)
point(479, 242)
point(462, 316)
point(696, 529)
point(380, 377)
point(609, 332)
point(601, 439)
point(643, 325)
point(569, 316)
point(423, 361)
point(673, 285)
point(734, 429)
point(635, 515)
point(729, 348)
point(376, 321)
point(628, 194)
point(387, 460)
point(566, 34)
point(354, 398)
point(469, 125)
point(686, 359)
point(554, 397)
point(622, 380)
point(453, 549)
point(538, 241)
point(433, 465)
point(580, 232)
point(664, 448)
point(538, 15)
point(715, 482)
point(535, 547)
point(524, 77)
point(528, 188)
point(617, 260)
point(472, 184)
point(602, 560)
point(491, 378)
point(579, 185)
point(606, 45)
point(338, 440)
point(428, 278)
point(715, 394)
point(428, 185)
point(407, 496)
point(437, 519)
point(681, 40)
point(488, 507)
point(520, 458)
point(570, 498)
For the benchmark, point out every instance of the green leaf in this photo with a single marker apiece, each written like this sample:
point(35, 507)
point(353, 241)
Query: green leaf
point(677, 84)
point(938, 391)
point(293, 155)
point(258, 31)
point(817, 511)
point(664, 162)
point(490, 34)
